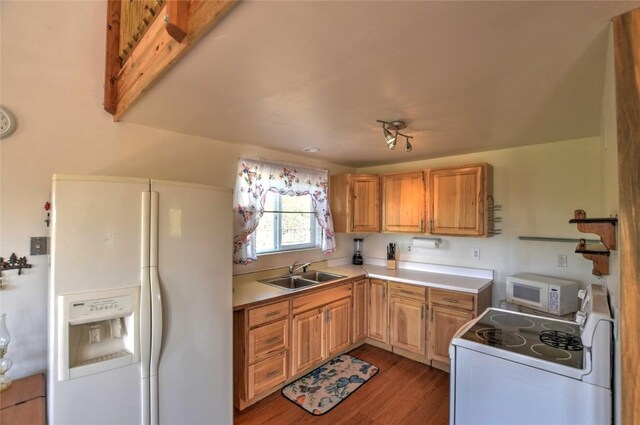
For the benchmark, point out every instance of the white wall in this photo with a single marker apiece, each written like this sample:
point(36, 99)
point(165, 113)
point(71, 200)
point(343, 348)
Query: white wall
point(538, 187)
point(610, 200)
point(52, 57)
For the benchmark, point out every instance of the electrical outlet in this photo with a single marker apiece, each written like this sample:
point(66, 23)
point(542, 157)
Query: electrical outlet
point(562, 260)
point(408, 247)
point(475, 253)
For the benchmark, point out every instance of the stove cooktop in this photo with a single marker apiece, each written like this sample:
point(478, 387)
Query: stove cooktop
point(538, 337)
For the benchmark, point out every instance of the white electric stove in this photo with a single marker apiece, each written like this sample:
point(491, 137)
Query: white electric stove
point(515, 368)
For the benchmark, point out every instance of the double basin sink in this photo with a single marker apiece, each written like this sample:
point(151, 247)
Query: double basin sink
point(304, 280)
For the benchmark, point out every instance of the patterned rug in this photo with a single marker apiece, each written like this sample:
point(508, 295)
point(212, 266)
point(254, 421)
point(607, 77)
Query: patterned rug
point(324, 388)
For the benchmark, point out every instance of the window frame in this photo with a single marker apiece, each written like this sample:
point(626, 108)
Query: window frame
point(315, 230)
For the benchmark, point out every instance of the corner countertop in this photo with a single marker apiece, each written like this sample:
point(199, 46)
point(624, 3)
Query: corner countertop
point(254, 292)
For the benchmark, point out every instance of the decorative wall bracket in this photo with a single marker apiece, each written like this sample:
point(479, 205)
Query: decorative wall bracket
point(598, 253)
point(14, 263)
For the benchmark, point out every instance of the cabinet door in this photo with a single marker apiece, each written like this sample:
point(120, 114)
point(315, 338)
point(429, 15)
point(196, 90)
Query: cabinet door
point(408, 325)
point(378, 311)
point(403, 204)
point(307, 340)
point(338, 326)
point(365, 211)
point(445, 322)
point(458, 197)
point(355, 202)
point(359, 310)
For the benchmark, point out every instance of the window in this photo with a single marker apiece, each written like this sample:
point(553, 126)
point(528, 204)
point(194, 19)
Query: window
point(288, 223)
point(279, 207)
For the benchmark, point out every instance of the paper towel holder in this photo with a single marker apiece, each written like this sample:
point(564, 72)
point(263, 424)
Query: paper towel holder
point(426, 242)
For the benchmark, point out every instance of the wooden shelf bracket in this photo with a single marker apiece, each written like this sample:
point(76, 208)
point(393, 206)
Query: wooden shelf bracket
point(598, 253)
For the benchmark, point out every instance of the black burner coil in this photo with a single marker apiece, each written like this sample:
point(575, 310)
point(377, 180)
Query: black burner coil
point(561, 340)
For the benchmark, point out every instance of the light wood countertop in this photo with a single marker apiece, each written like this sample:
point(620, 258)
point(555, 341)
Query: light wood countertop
point(251, 293)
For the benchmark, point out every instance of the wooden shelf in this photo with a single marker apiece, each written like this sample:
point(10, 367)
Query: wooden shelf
point(603, 227)
point(598, 253)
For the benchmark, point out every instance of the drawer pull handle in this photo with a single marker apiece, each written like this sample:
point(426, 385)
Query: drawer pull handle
point(272, 373)
point(273, 313)
point(272, 339)
point(406, 291)
point(451, 300)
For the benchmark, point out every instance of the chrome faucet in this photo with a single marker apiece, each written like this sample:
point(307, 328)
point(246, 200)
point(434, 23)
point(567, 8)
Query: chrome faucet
point(293, 268)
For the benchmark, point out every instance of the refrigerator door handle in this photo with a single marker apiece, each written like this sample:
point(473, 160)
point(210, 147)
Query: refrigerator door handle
point(145, 307)
point(156, 341)
point(156, 310)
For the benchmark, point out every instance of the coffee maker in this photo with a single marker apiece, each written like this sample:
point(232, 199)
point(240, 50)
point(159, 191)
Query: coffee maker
point(357, 251)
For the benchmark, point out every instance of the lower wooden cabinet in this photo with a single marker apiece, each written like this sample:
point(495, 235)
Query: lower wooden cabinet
point(449, 311)
point(277, 342)
point(260, 351)
point(338, 326)
point(266, 374)
point(445, 322)
point(320, 333)
point(360, 310)
point(308, 340)
point(269, 339)
point(408, 325)
point(378, 311)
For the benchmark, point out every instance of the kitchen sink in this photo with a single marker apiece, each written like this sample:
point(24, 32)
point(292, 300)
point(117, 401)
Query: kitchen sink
point(303, 280)
point(321, 276)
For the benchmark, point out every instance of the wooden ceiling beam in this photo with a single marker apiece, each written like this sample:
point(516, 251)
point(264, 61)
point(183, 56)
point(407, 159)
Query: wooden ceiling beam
point(159, 48)
point(113, 65)
point(177, 19)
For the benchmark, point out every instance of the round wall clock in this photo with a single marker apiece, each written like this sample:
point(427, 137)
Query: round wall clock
point(7, 123)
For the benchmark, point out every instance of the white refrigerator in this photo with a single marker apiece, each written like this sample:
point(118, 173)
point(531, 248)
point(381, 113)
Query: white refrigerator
point(140, 302)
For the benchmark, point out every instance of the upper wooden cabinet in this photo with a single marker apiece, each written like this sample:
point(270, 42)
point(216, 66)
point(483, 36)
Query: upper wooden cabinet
point(355, 203)
point(403, 206)
point(458, 200)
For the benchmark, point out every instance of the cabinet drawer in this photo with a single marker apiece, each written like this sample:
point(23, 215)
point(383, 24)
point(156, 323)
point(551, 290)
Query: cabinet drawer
point(418, 293)
point(268, 339)
point(266, 374)
point(318, 299)
point(452, 298)
point(268, 313)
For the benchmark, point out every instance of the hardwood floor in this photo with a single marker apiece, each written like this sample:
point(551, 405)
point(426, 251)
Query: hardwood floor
point(403, 392)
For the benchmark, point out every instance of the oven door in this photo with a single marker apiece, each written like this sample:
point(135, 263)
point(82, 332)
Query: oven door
point(490, 390)
point(534, 296)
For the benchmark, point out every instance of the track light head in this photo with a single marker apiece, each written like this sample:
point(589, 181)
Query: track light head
point(388, 135)
point(407, 146)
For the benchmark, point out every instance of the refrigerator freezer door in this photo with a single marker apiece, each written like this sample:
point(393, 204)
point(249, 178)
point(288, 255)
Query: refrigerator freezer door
point(194, 265)
point(96, 244)
point(96, 236)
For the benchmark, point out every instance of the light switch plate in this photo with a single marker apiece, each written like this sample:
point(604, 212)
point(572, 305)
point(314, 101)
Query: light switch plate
point(39, 245)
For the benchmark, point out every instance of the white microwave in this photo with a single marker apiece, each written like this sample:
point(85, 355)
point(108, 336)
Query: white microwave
point(543, 293)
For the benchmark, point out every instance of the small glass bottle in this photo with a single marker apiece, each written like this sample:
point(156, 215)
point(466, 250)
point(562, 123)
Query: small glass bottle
point(5, 362)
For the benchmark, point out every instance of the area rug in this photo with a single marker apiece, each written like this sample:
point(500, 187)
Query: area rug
point(324, 388)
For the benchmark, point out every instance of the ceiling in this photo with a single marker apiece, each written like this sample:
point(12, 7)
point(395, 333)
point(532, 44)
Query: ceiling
point(465, 76)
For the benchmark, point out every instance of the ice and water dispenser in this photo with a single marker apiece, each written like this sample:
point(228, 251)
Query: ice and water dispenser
point(98, 331)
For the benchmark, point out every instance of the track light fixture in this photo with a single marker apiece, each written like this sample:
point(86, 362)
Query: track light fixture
point(391, 131)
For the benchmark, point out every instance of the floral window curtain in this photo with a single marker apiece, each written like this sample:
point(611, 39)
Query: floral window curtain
point(254, 179)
